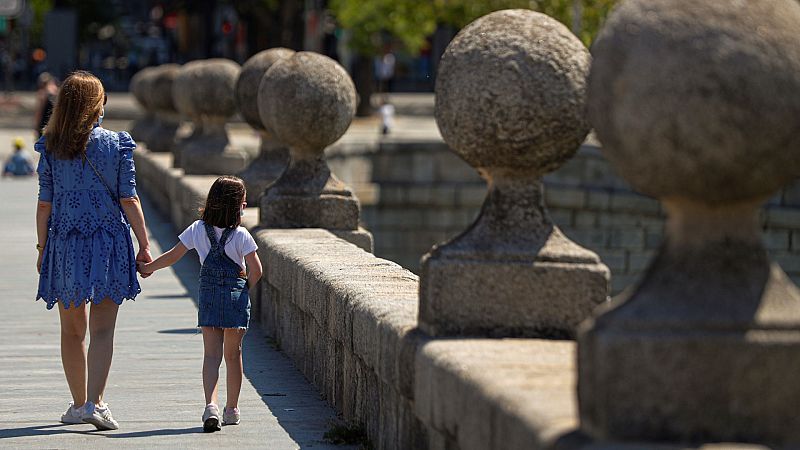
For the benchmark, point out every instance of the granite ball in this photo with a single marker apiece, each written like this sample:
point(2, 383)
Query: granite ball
point(312, 101)
point(159, 95)
point(140, 86)
point(253, 71)
point(511, 92)
point(700, 100)
point(182, 87)
point(212, 93)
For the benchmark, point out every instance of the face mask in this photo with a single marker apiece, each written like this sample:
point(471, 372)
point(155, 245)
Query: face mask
point(241, 212)
point(102, 113)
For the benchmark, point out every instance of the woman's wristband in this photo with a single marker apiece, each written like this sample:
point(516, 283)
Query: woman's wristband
point(39, 247)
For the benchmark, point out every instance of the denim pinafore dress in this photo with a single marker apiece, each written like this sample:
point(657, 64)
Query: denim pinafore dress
point(224, 297)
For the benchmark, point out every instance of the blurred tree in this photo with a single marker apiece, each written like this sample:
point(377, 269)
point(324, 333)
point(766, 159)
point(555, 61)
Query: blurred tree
point(39, 8)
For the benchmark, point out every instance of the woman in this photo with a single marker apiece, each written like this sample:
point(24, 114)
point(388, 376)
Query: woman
point(86, 181)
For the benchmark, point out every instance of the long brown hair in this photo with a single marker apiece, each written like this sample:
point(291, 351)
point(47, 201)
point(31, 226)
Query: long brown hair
point(77, 108)
point(224, 201)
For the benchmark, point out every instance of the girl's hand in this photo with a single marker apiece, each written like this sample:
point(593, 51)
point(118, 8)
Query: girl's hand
point(143, 257)
point(141, 268)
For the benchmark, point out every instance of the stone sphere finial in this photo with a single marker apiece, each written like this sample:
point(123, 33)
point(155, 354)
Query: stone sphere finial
point(137, 86)
point(510, 100)
point(204, 90)
point(311, 101)
point(212, 93)
point(249, 80)
point(159, 94)
point(510, 92)
point(707, 121)
point(182, 88)
point(307, 102)
point(696, 103)
point(140, 87)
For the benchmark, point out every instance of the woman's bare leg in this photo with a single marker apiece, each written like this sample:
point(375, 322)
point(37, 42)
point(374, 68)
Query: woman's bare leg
point(102, 321)
point(233, 365)
point(212, 358)
point(73, 350)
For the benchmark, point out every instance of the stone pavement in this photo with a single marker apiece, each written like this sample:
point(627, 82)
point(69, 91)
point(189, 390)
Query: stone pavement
point(155, 387)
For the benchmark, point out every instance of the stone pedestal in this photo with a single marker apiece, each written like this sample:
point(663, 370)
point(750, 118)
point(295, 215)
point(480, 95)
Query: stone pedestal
point(272, 160)
point(210, 152)
point(706, 346)
point(514, 241)
point(513, 272)
point(162, 135)
point(141, 84)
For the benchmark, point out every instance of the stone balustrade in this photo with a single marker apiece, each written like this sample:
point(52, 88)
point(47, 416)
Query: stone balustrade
point(701, 349)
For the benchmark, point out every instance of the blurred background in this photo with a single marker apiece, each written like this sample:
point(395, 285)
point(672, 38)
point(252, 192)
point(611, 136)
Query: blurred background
point(390, 45)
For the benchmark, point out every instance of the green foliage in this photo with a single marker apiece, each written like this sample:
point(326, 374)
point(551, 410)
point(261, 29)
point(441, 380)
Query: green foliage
point(412, 21)
point(39, 8)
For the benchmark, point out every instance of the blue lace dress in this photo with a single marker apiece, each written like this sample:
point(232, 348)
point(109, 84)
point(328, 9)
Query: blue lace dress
point(89, 252)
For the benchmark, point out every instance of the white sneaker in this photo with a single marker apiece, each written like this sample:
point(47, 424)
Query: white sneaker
point(211, 418)
point(231, 416)
point(73, 415)
point(99, 416)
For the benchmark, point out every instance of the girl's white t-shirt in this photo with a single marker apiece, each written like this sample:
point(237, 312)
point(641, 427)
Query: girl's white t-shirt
point(240, 243)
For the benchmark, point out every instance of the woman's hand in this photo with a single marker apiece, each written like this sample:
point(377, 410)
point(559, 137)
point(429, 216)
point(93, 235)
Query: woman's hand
point(39, 262)
point(145, 257)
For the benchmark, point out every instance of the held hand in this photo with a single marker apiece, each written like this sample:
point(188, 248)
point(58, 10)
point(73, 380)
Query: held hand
point(39, 263)
point(144, 257)
point(140, 267)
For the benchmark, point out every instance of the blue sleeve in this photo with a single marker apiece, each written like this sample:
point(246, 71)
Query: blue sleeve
point(126, 184)
point(45, 172)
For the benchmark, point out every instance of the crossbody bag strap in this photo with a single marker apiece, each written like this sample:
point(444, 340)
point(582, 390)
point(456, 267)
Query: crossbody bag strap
point(103, 180)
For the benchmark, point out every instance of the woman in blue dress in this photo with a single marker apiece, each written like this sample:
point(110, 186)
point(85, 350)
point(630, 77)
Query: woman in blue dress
point(87, 207)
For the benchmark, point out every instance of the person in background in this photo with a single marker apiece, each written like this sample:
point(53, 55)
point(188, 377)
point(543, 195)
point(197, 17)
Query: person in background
point(46, 92)
point(19, 164)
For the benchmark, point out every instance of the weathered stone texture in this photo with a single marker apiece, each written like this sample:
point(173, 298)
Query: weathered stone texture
point(510, 100)
point(307, 101)
point(705, 346)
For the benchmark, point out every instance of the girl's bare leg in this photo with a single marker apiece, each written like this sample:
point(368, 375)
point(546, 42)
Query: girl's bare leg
point(73, 350)
point(212, 358)
point(233, 365)
point(102, 321)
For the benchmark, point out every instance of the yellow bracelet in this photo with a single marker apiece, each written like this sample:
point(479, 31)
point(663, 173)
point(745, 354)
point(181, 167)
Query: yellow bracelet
point(39, 247)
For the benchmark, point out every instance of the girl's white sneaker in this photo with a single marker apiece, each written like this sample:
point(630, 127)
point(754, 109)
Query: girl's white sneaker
point(211, 418)
point(99, 416)
point(73, 415)
point(231, 416)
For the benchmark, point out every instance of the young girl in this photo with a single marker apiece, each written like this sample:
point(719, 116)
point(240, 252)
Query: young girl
point(224, 306)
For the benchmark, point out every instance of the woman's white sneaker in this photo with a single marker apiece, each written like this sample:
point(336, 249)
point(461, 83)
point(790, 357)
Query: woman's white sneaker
point(211, 418)
point(99, 416)
point(73, 415)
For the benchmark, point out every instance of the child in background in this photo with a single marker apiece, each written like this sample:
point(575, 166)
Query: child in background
point(224, 246)
point(19, 164)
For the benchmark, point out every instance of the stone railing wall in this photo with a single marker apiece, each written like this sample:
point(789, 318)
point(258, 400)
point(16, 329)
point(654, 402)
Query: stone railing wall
point(416, 194)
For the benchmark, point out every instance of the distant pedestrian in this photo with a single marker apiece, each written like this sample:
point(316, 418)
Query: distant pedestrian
point(387, 112)
point(20, 164)
point(226, 250)
point(87, 207)
point(46, 92)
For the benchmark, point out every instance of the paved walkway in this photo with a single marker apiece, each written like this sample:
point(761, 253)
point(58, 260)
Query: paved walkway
point(155, 388)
